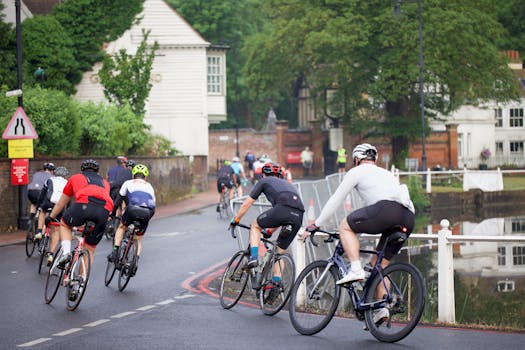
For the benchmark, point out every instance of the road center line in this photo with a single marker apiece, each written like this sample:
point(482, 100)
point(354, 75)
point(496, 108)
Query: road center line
point(34, 342)
point(165, 302)
point(124, 314)
point(96, 323)
point(67, 332)
point(184, 296)
point(145, 308)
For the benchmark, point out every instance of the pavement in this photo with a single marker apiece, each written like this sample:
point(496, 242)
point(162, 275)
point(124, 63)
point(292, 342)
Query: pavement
point(190, 203)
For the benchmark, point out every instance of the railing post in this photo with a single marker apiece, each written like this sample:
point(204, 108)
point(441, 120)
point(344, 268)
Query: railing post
point(446, 301)
point(298, 250)
point(429, 181)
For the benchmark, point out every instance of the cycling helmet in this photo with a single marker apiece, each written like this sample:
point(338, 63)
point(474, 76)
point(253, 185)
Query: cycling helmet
point(140, 169)
point(49, 166)
point(227, 162)
point(364, 151)
point(89, 165)
point(272, 169)
point(236, 159)
point(130, 163)
point(61, 171)
point(121, 160)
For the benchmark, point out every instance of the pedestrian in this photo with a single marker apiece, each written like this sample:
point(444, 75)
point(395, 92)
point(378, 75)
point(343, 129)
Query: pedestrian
point(341, 159)
point(307, 159)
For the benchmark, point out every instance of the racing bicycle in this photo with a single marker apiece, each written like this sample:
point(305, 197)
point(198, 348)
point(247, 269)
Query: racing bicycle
point(398, 287)
point(272, 295)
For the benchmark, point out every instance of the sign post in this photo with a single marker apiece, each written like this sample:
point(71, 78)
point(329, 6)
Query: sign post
point(19, 134)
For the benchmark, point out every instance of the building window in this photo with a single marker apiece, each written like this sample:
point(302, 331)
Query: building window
point(499, 148)
point(516, 148)
point(498, 115)
point(502, 256)
point(215, 75)
point(518, 255)
point(518, 225)
point(506, 286)
point(516, 118)
point(460, 145)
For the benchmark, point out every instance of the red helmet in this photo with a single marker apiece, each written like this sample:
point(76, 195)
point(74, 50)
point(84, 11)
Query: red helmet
point(272, 169)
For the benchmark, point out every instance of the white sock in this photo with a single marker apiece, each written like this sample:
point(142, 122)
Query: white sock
point(66, 246)
point(356, 265)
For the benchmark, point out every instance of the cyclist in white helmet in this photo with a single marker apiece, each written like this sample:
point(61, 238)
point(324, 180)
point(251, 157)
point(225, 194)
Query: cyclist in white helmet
point(386, 205)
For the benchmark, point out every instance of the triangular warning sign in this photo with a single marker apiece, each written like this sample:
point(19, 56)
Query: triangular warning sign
point(19, 127)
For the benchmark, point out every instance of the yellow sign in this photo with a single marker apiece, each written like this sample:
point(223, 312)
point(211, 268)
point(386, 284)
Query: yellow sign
point(20, 148)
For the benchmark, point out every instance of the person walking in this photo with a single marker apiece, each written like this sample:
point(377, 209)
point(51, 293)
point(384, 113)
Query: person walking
point(307, 159)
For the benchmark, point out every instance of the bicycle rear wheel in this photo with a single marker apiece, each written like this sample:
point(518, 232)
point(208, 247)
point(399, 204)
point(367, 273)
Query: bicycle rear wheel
point(79, 278)
point(224, 207)
point(30, 238)
point(234, 280)
point(111, 228)
point(43, 250)
point(314, 298)
point(405, 303)
point(128, 263)
point(111, 267)
point(54, 277)
point(273, 296)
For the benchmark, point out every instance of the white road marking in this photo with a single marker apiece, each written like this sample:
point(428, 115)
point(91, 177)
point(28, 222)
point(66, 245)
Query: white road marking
point(168, 234)
point(165, 302)
point(145, 308)
point(124, 314)
point(185, 296)
point(34, 342)
point(96, 323)
point(69, 331)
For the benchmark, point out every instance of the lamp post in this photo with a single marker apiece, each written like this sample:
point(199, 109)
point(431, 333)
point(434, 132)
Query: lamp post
point(397, 10)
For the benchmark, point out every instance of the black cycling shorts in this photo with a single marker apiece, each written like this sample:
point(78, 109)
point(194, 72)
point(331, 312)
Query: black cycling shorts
point(379, 218)
point(77, 215)
point(139, 214)
point(33, 195)
point(282, 215)
point(226, 181)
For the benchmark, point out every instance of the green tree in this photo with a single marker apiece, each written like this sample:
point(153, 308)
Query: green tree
point(512, 17)
point(372, 57)
point(8, 75)
point(47, 45)
point(53, 114)
point(126, 78)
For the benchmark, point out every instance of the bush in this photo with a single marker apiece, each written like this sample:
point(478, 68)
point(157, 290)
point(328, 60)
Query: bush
point(417, 194)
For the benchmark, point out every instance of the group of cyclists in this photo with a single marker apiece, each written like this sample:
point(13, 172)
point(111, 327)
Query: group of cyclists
point(88, 196)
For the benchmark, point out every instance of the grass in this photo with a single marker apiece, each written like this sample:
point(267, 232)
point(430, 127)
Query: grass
point(510, 183)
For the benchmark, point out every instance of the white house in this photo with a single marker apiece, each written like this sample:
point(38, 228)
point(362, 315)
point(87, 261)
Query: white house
point(9, 11)
point(188, 77)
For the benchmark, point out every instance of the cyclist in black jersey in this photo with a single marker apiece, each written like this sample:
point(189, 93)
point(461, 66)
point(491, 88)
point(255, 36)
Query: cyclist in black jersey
point(287, 211)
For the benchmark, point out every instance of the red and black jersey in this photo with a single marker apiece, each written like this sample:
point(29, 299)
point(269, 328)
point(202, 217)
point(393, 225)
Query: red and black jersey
point(89, 187)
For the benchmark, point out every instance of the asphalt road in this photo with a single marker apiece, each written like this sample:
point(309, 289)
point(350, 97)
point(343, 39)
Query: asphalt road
point(167, 305)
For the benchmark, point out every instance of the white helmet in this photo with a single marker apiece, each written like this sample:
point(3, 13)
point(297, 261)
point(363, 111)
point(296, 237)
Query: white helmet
point(364, 151)
point(235, 159)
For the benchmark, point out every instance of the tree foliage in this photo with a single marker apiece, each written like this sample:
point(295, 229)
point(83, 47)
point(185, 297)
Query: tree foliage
point(8, 75)
point(372, 57)
point(126, 77)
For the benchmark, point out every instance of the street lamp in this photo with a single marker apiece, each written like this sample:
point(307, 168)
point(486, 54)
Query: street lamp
point(397, 11)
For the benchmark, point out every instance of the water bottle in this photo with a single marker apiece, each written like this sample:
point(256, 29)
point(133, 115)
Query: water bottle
point(266, 257)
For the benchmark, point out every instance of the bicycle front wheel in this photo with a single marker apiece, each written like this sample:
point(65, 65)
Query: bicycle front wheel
point(54, 277)
point(79, 278)
point(128, 264)
point(314, 298)
point(30, 238)
point(234, 280)
point(405, 301)
point(111, 267)
point(275, 292)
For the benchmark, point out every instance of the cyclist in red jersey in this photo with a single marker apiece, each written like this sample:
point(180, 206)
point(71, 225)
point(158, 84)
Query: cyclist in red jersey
point(92, 202)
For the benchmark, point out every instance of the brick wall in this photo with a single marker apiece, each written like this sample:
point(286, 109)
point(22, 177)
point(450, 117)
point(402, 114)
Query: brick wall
point(172, 178)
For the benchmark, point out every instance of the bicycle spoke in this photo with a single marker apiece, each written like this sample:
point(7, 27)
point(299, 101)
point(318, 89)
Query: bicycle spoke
point(314, 298)
point(78, 280)
point(127, 263)
point(54, 277)
point(402, 293)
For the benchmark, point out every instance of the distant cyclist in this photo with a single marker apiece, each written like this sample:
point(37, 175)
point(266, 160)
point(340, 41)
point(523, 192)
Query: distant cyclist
point(50, 194)
point(139, 196)
point(287, 210)
point(224, 178)
point(238, 175)
point(35, 186)
point(91, 202)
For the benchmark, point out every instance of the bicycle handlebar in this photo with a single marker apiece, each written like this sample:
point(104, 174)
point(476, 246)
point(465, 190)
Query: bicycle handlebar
point(331, 236)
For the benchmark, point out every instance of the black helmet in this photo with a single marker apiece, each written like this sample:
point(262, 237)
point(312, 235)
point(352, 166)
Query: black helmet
point(49, 166)
point(130, 163)
point(90, 165)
